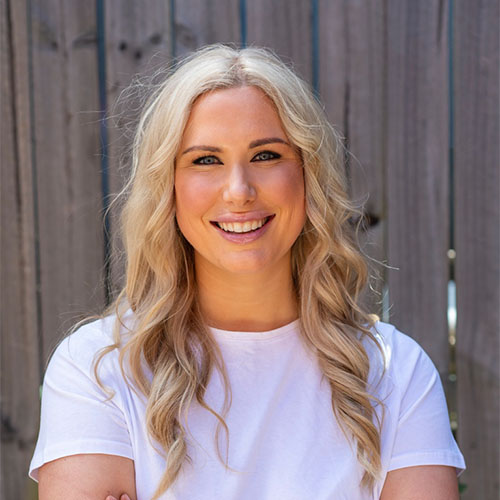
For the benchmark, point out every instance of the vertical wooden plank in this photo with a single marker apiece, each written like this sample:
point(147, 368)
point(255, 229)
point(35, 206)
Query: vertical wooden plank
point(284, 27)
point(138, 42)
point(68, 165)
point(351, 84)
point(201, 22)
point(366, 133)
point(19, 339)
point(333, 60)
point(417, 172)
point(477, 215)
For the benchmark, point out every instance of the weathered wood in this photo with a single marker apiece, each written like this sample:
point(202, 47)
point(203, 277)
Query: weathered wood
point(284, 27)
point(66, 142)
point(351, 84)
point(417, 172)
point(201, 22)
point(138, 42)
point(332, 55)
point(19, 344)
point(477, 215)
point(383, 75)
point(363, 102)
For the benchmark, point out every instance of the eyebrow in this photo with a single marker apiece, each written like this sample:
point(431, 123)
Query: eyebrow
point(253, 144)
point(267, 140)
point(202, 148)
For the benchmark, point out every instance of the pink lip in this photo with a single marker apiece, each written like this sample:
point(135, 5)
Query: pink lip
point(244, 238)
point(243, 217)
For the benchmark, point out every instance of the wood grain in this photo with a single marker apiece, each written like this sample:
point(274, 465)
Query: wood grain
point(19, 343)
point(416, 172)
point(201, 22)
point(383, 76)
point(285, 27)
point(477, 215)
point(351, 85)
point(66, 141)
point(333, 60)
point(138, 43)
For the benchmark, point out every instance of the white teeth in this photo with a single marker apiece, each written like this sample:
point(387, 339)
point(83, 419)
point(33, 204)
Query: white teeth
point(241, 227)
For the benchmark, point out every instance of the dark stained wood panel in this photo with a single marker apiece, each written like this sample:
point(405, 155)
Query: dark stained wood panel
point(416, 172)
point(477, 234)
point(284, 27)
point(19, 342)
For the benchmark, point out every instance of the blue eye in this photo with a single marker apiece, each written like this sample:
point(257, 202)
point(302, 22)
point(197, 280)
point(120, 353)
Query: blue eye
point(266, 156)
point(206, 160)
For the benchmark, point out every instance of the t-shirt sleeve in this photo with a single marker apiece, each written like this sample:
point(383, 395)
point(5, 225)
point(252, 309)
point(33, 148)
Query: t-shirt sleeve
point(77, 415)
point(423, 435)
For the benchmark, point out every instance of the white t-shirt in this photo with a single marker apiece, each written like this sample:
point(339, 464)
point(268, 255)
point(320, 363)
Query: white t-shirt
point(284, 441)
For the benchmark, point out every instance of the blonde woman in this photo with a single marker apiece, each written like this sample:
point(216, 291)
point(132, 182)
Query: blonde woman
point(237, 362)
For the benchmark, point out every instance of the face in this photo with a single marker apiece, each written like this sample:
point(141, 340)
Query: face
point(239, 184)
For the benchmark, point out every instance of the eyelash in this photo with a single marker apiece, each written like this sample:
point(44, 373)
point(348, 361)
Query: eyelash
point(274, 156)
point(200, 160)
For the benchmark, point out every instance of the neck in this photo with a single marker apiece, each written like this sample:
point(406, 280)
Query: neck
point(258, 301)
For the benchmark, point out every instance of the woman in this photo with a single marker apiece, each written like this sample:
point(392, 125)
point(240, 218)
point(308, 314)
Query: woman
point(238, 362)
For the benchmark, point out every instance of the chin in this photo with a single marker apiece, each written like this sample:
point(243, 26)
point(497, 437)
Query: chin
point(244, 267)
point(245, 264)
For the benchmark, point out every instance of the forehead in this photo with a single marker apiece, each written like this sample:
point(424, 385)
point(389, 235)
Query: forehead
point(240, 111)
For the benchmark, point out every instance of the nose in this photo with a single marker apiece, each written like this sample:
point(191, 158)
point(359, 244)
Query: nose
point(238, 189)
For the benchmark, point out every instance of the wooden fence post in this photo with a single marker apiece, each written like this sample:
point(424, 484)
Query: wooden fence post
point(20, 342)
point(416, 176)
point(66, 152)
point(477, 215)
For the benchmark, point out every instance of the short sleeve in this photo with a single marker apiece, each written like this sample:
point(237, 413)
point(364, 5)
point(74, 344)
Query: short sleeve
point(77, 415)
point(423, 435)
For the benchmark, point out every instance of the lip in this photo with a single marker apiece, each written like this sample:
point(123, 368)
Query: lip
point(243, 217)
point(243, 238)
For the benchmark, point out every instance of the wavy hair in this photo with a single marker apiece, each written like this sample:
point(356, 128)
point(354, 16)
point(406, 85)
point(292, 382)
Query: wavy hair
point(329, 272)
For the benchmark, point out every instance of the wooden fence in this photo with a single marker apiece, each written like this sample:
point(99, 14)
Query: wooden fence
point(412, 85)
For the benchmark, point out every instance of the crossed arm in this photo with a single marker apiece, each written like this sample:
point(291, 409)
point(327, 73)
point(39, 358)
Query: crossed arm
point(87, 477)
point(109, 477)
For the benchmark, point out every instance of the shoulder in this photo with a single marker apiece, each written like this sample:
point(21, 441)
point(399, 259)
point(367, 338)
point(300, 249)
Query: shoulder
point(395, 345)
point(416, 427)
point(394, 342)
point(97, 334)
point(83, 343)
point(79, 351)
point(398, 357)
point(85, 407)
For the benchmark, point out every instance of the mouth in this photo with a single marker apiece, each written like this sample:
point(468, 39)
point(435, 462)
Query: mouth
point(246, 227)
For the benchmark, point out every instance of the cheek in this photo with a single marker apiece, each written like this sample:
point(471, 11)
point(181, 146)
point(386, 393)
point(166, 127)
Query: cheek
point(289, 187)
point(192, 196)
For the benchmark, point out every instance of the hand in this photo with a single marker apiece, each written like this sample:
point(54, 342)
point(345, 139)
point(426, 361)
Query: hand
point(122, 497)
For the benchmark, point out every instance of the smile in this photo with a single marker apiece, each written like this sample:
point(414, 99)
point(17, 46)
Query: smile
point(242, 227)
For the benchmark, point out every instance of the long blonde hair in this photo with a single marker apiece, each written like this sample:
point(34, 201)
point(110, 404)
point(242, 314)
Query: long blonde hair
point(329, 273)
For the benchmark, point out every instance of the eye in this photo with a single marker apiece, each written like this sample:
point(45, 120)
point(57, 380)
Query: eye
point(266, 156)
point(206, 160)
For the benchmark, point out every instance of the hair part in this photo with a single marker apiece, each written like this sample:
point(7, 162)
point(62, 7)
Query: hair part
point(329, 272)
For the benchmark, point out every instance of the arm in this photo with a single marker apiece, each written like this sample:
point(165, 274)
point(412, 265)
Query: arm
point(424, 457)
point(427, 482)
point(87, 477)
